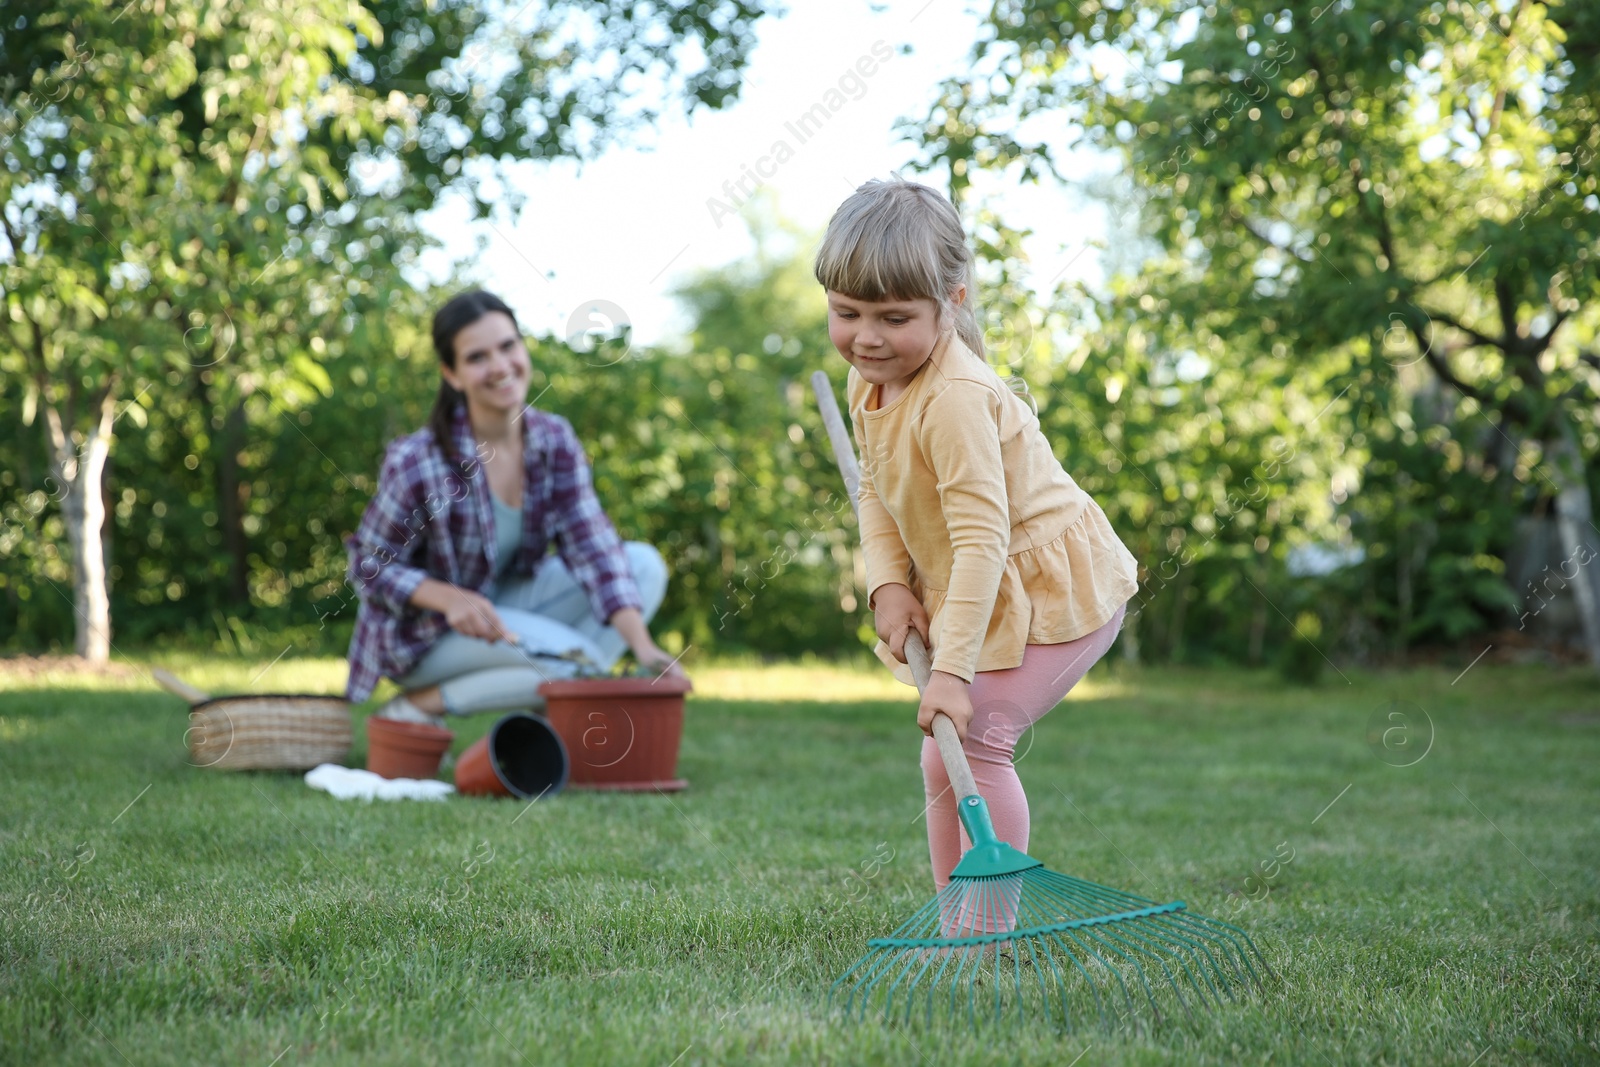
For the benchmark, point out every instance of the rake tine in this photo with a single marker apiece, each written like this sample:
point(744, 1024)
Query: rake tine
point(914, 989)
point(1182, 950)
point(1159, 960)
point(949, 954)
point(990, 962)
point(1037, 960)
point(894, 965)
point(1093, 986)
point(927, 956)
point(1184, 930)
point(1127, 995)
point(1144, 983)
point(888, 1004)
point(887, 964)
point(1000, 983)
point(1237, 970)
point(850, 995)
point(1234, 930)
point(1016, 973)
point(1188, 956)
point(877, 965)
point(972, 986)
point(1203, 941)
point(1039, 970)
point(1231, 934)
point(1144, 944)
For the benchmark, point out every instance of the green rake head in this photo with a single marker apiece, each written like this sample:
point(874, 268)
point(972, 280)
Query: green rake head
point(1008, 938)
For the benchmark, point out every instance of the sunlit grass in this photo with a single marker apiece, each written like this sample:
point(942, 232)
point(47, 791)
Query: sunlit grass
point(811, 679)
point(153, 912)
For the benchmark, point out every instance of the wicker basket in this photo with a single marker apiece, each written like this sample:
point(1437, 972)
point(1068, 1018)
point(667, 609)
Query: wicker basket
point(290, 733)
point(269, 731)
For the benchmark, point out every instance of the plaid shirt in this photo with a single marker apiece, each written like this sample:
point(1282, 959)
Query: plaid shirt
point(429, 521)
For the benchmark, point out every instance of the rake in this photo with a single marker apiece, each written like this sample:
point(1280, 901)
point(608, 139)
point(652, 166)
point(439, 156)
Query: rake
point(1009, 937)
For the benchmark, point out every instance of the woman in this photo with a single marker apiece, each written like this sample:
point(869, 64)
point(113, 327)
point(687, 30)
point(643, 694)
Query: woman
point(459, 603)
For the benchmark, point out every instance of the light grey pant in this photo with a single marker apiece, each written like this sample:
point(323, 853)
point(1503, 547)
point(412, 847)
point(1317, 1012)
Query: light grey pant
point(551, 613)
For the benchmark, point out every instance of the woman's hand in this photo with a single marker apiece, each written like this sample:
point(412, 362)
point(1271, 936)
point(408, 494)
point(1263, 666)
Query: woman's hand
point(630, 624)
point(895, 612)
point(946, 695)
point(467, 612)
point(658, 660)
point(473, 614)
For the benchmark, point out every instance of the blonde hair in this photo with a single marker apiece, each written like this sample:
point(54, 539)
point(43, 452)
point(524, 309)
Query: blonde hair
point(898, 240)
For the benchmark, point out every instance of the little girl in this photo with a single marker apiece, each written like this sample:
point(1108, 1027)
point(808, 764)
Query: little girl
point(974, 535)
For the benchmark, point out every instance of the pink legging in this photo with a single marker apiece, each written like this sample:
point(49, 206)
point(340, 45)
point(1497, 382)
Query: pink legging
point(1004, 704)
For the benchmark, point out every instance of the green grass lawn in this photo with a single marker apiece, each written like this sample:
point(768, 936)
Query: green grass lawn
point(1441, 912)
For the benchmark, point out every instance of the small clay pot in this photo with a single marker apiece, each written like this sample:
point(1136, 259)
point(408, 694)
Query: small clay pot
point(620, 733)
point(405, 749)
point(521, 756)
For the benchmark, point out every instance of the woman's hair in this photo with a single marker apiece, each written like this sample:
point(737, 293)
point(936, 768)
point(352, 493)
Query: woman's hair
point(898, 240)
point(462, 311)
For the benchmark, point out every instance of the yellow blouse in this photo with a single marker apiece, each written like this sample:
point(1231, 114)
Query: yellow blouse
point(963, 501)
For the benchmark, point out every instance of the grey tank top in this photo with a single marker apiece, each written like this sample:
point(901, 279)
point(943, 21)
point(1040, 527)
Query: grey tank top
point(507, 534)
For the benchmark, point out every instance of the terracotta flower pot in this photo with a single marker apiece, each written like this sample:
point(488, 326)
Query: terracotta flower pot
point(521, 756)
point(405, 749)
point(620, 733)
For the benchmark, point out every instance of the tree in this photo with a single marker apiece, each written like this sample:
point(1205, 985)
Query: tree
point(710, 449)
point(1387, 182)
point(214, 197)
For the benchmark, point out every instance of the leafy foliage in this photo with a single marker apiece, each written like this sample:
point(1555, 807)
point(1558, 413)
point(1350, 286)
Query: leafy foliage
point(1335, 205)
point(715, 454)
point(205, 207)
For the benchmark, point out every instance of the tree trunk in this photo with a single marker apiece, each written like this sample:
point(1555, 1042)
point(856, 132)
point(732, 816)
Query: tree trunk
point(1130, 637)
point(79, 469)
point(1402, 562)
point(1575, 521)
point(229, 440)
point(1258, 622)
point(1180, 611)
point(108, 526)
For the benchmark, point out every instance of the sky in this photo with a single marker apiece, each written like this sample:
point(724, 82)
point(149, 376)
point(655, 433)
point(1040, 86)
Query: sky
point(613, 238)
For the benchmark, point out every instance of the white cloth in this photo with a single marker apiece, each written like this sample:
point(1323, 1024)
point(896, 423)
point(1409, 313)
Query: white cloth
point(352, 783)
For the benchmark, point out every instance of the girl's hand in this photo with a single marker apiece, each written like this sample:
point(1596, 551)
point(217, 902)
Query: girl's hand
point(895, 612)
point(946, 695)
point(473, 614)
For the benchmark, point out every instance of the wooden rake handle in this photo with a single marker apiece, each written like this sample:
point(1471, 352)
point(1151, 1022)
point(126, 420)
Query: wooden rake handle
point(944, 731)
point(172, 684)
point(844, 454)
